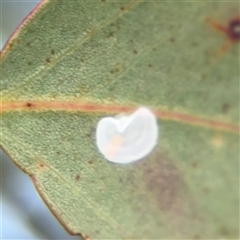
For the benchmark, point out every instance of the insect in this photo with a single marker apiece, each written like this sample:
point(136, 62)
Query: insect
point(125, 139)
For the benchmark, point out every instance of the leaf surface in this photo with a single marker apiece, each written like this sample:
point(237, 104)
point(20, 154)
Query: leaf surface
point(74, 62)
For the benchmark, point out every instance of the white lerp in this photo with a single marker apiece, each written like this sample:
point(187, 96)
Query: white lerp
point(125, 139)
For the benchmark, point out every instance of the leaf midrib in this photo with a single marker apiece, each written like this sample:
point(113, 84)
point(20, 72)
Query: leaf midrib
point(82, 106)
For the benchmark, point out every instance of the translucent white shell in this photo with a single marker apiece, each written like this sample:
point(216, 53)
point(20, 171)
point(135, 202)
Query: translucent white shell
point(125, 139)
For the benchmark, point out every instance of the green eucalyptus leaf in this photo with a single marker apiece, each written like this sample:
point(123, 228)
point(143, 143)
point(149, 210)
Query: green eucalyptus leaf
point(71, 63)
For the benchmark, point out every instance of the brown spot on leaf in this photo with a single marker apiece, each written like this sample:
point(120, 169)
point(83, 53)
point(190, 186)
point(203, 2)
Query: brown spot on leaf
point(41, 165)
point(77, 178)
point(90, 162)
point(48, 60)
point(135, 51)
point(196, 237)
point(29, 104)
point(150, 65)
point(195, 44)
point(29, 63)
point(165, 186)
point(110, 35)
point(52, 52)
point(225, 108)
point(164, 181)
point(116, 69)
point(122, 8)
point(91, 135)
point(224, 231)
point(195, 165)
point(172, 39)
point(206, 190)
point(203, 76)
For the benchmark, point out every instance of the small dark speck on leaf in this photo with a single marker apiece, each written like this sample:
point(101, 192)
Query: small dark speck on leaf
point(168, 179)
point(48, 60)
point(28, 104)
point(52, 52)
point(194, 44)
point(28, 44)
point(29, 63)
point(206, 190)
point(150, 65)
point(77, 178)
point(122, 8)
point(195, 165)
point(225, 108)
point(203, 76)
point(172, 39)
point(116, 70)
point(197, 236)
point(135, 52)
point(90, 162)
point(110, 35)
point(90, 135)
point(224, 231)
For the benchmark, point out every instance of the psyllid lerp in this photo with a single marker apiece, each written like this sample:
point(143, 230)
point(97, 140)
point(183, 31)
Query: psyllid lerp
point(127, 138)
